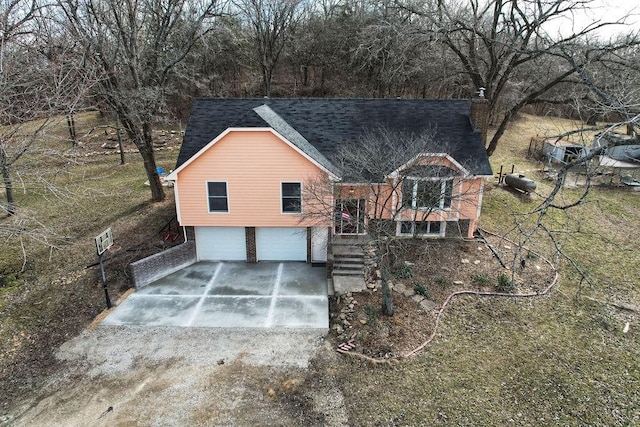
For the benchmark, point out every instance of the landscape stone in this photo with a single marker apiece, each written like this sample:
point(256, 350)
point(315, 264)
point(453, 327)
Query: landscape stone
point(399, 287)
point(427, 305)
point(417, 298)
point(409, 292)
point(458, 282)
point(476, 262)
point(465, 261)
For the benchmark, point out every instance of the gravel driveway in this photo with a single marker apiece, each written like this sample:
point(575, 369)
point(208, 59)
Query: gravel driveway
point(186, 376)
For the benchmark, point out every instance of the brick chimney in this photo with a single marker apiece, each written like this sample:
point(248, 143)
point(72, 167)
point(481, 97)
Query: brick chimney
point(480, 114)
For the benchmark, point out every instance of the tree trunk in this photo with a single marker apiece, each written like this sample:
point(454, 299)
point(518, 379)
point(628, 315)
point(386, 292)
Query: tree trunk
point(6, 178)
point(71, 125)
point(120, 145)
point(387, 299)
point(146, 151)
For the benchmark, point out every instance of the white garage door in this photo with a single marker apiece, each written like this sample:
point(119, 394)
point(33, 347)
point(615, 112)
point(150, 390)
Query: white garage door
point(281, 244)
point(221, 244)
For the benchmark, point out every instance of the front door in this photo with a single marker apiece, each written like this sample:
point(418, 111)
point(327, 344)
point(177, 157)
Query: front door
point(350, 216)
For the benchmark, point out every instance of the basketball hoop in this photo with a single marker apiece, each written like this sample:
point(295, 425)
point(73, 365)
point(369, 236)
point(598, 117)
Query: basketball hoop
point(114, 248)
point(104, 243)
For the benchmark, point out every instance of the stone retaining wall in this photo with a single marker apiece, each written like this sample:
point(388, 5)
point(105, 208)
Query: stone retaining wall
point(156, 266)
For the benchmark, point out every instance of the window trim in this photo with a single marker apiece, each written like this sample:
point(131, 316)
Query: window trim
point(444, 197)
point(282, 198)
point(209, 197)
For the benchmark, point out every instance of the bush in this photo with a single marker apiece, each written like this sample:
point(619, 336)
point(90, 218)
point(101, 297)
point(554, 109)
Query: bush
point(403, 271)
point(372, 313)
point(421, 289)
point(505, 284)
point(480, 279)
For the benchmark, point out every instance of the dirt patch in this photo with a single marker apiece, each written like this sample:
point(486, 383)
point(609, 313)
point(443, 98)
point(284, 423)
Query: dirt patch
point(423, 277)
point(180, 376)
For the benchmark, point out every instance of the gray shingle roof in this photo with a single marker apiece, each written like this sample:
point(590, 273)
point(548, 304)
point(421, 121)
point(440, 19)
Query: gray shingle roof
point(319, 125)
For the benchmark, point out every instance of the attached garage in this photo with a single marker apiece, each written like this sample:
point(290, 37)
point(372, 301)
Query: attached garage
point(281, 244)
point(221, 244)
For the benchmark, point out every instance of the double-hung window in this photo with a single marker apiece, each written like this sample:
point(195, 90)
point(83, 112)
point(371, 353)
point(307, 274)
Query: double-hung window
point(217, 196)
point(291, 197)
point(427, 194)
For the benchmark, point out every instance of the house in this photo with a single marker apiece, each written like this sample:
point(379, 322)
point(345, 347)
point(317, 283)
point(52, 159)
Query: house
point(243, 170)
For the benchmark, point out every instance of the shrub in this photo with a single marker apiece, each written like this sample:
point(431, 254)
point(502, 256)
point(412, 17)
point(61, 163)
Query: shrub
point(480, 279)
point(421, 289)
point(372, 313)
point(404, 271)
point(505, 284)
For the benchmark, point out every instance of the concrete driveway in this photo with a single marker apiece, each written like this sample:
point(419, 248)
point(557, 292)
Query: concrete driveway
point(231, 294)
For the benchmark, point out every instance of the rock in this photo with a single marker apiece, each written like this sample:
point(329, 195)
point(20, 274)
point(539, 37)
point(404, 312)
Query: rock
point(342, 316)
point(399, 287)
point(409, 292)
point(479, 248)
point(427, 305)
point(409, 263)
point(458, 282)
point(351, 306)
point(476, 262)
point(371, 285)
point(417, 298)
point(507, 247)
point(378, 274)
point(338, 329)
point(346, 322)
point(363, 321)
point(465, 261)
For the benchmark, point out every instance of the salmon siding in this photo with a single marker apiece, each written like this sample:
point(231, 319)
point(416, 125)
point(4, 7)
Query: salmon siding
point(387, 201)
point(256, 166)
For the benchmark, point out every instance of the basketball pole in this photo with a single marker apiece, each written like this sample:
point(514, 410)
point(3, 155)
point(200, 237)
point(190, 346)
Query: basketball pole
point(104, 282)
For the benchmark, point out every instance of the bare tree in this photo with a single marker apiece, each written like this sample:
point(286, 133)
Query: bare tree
point(410, 185)
point(505, 47)
point(136, 45)
point(270, 22)
point(31, 88)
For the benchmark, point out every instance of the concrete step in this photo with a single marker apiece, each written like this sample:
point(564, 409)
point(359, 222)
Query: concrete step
point(346, 284)
point(348, 260)
point(347, 272)
point(348, 251)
